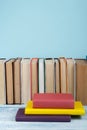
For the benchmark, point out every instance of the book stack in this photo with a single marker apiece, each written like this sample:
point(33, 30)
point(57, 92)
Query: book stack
point(50, 107)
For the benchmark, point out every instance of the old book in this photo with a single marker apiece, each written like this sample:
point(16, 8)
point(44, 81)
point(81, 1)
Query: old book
point(78, 110)
point(49, 76)
point(2, 82)
point(81, 81)
point(52, 100)
point(10, 81)
point(41, 75)
point(63, 73)
point(57, 76)
point(17, 80)
point(70, 75)
point(34, 76)
point(20, 116)
point(25, 80)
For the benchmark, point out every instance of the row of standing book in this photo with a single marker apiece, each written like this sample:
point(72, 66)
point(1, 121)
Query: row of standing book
point(50, 107)
point(21, 78)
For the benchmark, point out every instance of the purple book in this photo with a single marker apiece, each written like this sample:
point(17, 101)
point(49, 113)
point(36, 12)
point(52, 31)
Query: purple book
point(20, 116)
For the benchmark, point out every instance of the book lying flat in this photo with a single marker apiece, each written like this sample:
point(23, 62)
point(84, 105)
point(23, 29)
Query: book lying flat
point(52, 100)
point(78, 110)
point(20, 116)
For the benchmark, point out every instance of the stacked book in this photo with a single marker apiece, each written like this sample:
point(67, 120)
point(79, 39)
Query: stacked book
point(49, 107)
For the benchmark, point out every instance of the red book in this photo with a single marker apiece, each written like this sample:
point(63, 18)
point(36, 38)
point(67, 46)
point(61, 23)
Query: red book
point(51, 100)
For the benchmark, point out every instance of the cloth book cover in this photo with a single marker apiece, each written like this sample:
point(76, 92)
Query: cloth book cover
point(51, 100)
point(78, 110)
point(20, 116)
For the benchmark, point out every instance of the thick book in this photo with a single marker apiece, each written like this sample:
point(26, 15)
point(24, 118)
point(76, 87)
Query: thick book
point(78, 110)
point(2, 82)
point(20, 116)
point(81, 80)
point(52, 100)
point(25, 80)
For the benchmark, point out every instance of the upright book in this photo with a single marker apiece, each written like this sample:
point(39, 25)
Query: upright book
point(20, 116)
point(51, 100)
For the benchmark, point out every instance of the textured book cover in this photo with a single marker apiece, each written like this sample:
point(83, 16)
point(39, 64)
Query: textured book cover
point(78, 110)
point(20, 116)
point(52, 100)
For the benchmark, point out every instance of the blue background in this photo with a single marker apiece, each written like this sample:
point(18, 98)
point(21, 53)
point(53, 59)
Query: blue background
point(43, 28)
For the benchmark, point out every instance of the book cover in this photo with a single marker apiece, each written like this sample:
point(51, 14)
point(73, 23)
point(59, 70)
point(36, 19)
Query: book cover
point(52, 100)
point(78, 110)
point(20, 116)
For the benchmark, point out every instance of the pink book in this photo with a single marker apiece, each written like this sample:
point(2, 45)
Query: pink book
point(51, 100)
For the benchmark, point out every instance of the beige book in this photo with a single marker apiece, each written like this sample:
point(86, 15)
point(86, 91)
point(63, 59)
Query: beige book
point(49, 76)
point(63, 81)
point(57, 77)
point(34, 76)
point(17, 81)
point(81, 81)
point(70, 75)
point(25, 80)
point(2, 82)
point(9, 81)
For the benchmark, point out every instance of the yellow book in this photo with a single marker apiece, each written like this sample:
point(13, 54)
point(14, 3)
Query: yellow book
point(78, 110)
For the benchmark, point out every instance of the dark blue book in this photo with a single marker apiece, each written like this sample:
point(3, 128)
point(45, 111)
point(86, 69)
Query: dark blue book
point(20, 116)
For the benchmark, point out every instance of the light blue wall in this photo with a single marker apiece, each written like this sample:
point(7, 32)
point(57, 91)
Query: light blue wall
point(43, 28)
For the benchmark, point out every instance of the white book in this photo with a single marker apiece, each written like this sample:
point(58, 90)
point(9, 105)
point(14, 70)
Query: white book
point(2, 82)
point(25, 80)
point(41, 75)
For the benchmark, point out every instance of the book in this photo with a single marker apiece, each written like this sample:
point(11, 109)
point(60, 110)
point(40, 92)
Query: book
point(10, 81)
point(52, 100)
point(2, 81)
point(49, 76)
point(56, 77)
point(17, 80)
point(63, 73)
point(25, 80)
point(70, 75)
point(34, 76)
point(78, 110)
point(41, 75)
point(20, 116)
point(81, 80)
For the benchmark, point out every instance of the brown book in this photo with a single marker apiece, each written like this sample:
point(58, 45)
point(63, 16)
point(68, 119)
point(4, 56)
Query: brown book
point(17, 81)
point(81, 81)
point(25, 80)
point(63, 81)
point(57, 77)
point(34, 76)
point(2, 82)
point(49, 76)
point(10, 81)
point(70, 75)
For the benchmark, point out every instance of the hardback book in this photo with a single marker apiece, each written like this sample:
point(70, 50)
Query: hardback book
point(52, 100)
point(57, 75)
point(25, 80)
point(2, 82)
point(34, 76)
point(78, 110)
point(20, 116)
point(10, 81)
point(81, 80)
point(17, 80)
point(49, 76)
point(63, 72)
point(41, 75)
point(70, 75)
